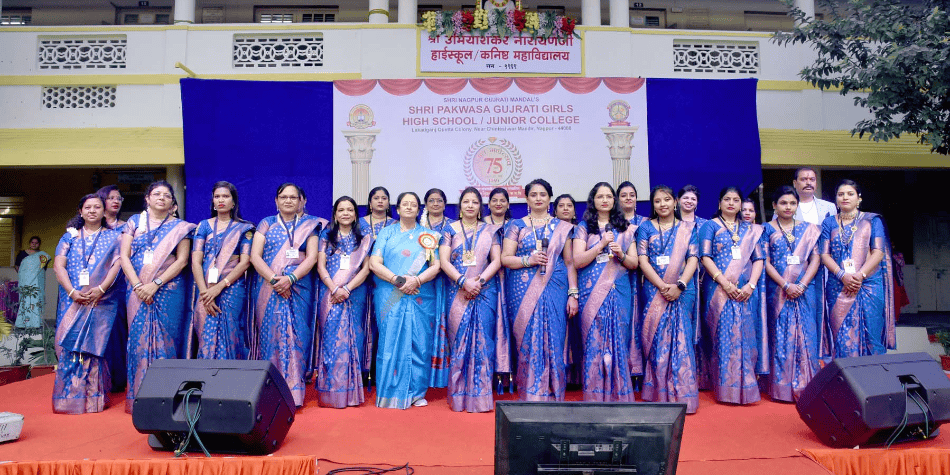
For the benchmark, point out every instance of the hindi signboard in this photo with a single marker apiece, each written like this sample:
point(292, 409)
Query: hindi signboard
point(493, 54)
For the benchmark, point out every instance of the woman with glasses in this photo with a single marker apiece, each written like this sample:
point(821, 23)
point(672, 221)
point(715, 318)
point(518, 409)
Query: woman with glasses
point(433, 217)
point(86, 266)
point(283, 252)
point(219, 258)
point(115, 350)
point(155, 249)
point(405, 260)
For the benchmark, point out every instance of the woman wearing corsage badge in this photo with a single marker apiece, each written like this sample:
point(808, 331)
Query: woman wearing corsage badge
point(433, 217)
point(86, 265)
point(405, 260)
point(471, 255)
point(283, 253)
point(859, 293)
point(155, 249)
point(219, 258)
point(541, 295)
point(342, 265)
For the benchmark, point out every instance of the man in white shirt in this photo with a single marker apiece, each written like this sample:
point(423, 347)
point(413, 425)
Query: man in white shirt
point(811, 208)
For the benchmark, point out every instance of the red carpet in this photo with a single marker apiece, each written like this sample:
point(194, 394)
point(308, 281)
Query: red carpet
point(762, 438)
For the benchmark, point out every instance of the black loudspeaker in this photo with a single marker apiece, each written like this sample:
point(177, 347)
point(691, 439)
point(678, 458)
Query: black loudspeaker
point(246, 406)
point(864, 400)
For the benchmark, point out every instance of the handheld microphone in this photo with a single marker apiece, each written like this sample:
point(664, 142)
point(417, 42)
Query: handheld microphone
point(544, 249)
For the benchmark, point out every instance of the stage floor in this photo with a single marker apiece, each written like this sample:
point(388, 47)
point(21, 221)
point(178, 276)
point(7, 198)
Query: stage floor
point(765, 437)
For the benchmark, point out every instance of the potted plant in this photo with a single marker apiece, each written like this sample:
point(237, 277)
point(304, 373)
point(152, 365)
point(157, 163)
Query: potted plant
point(16, 372)
point(943, 337)
point(31, 350)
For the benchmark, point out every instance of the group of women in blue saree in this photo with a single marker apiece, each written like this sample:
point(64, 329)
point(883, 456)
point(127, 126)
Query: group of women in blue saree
point(665, 305)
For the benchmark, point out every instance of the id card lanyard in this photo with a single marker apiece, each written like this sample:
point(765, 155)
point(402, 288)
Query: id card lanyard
point(214, 249)
point(84, 273)
point(292, 252)
point(150, 238)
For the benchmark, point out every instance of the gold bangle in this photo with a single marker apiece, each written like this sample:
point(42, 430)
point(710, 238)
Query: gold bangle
point(227, 282)
point(716, 277)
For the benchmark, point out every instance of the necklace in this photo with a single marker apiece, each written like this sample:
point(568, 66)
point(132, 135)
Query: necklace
point(732, 227)
point(790, 234)
point(853, 217)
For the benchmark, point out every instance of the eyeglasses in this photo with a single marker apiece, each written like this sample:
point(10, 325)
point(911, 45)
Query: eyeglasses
point(159, 194)
point(115, 198)
point(288, 198)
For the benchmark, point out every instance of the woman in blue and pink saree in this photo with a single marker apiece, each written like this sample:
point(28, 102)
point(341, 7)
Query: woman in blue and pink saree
point(155, 250)
point(433, 217)
point(669, 256)
point(86, 266)
point(342, 266)
point(283, 252)
point(405, 261)
point(377, 217)
point(219, 258)
point(604, 253)
point(859, 294)
point(793, 298)
point(733, 256)
point(542, 293)
point(471, 255)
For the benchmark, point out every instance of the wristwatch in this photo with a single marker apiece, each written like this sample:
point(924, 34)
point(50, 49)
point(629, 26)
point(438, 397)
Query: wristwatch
point(158, 282)
point(681, 285)
point(751, 285)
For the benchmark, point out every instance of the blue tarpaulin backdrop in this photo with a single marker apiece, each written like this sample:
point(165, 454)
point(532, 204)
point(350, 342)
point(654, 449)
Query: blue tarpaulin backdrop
point(259, 134)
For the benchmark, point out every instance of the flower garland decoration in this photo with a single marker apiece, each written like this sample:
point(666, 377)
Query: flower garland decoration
point(502, 23)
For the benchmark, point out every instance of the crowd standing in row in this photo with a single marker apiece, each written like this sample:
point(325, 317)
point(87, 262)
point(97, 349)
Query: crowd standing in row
point(673, 303)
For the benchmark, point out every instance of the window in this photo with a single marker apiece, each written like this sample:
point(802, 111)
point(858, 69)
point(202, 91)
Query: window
point(144, 16)
point(11, 214)
point(647, 18)
point(16, 16)
point(295, 15)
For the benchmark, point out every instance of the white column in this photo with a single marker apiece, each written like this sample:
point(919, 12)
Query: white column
point(361, 155)
point(376, 9)
point(174, 177)
point(619, 140)
point(807, 6)
point(590, 12)
point(184, 11)
point(620, 13)
point(407, 11)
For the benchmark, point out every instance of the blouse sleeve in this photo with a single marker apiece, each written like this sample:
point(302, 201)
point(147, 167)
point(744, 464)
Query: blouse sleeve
point(263, 226)
point(878, 235)
point(643, 240)
point(514, 230)
point(580, 231)
point(759, 248)
point(447, 234)
point(693, 249)
point(62, 249)
point(322, 242)
point(244, 246)
point(201, 235)
point(130, 225)
point(706, 239)
point(824, 242)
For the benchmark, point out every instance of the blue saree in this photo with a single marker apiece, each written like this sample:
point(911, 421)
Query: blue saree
point(82, 331)
point(404, 360)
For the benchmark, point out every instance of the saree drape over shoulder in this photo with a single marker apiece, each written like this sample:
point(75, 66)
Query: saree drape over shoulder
point(441, 345)
point(341, 332)
point(862, 324)
point(222, 336)
point(369, 318)
point(404, 361)
point(537, 309)
point(473, 325)
point(737, 330)
point(157, 330)
point(610, 352)
point(282, 325)
point(795, 325)
point(82, 331)
point(668, 329)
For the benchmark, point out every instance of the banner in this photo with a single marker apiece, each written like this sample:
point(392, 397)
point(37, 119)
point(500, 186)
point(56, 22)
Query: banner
point(412, 135)
point(493, 54)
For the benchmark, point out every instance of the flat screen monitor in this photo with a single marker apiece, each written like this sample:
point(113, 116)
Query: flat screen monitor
point(587, 438)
